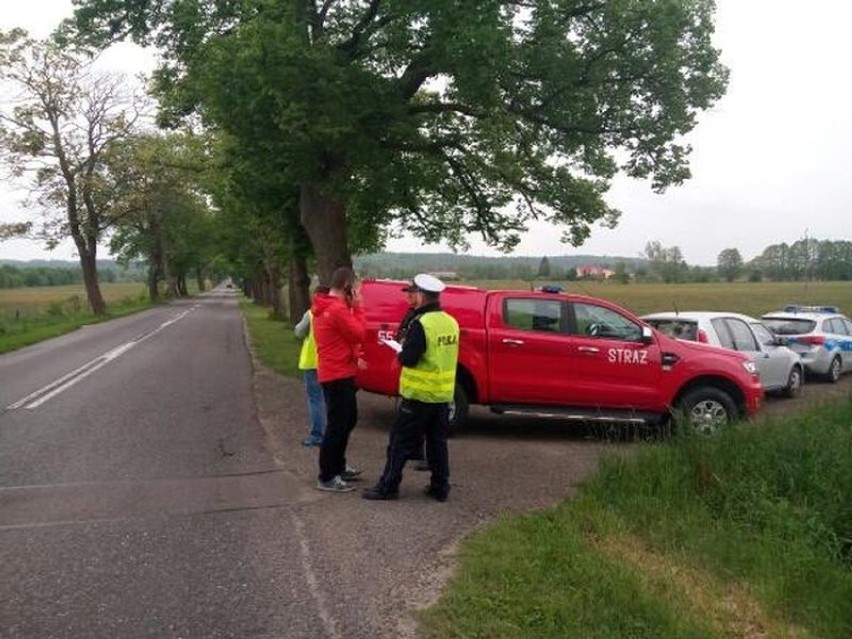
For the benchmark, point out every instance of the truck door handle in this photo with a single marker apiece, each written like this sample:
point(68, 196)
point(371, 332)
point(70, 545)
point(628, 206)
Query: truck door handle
point(513, 342)
point(588, 349)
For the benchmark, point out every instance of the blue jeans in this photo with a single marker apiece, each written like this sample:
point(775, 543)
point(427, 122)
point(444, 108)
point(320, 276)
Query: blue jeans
point(316, 403)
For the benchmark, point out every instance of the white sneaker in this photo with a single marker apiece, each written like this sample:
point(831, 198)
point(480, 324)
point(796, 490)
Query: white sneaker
point(335, 485)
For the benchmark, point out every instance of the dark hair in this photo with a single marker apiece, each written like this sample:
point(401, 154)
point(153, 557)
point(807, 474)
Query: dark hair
point(430, 296)
point(321, 290)
point(342, 277)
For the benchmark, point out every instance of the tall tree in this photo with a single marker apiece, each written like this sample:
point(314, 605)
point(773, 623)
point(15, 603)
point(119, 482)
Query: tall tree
point(666, 263)
point(729, 264)
point(449, 117)
point(157, 209)
point(54, 130)
point(544, 267)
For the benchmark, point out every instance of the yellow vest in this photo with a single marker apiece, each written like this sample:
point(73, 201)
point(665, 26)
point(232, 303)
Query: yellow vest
point(433, 379)
point(308, 355)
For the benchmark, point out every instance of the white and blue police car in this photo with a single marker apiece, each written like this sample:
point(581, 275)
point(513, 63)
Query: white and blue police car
point(819, 334)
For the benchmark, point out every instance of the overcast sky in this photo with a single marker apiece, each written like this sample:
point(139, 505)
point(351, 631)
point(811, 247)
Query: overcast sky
point(769, 162)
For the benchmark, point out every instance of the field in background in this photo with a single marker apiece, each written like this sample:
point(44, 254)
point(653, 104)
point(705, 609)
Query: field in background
point(752, 298)
point(37, 301)
point(32, 314)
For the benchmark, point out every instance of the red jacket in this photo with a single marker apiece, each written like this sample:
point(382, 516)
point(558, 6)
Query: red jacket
point(339, 331)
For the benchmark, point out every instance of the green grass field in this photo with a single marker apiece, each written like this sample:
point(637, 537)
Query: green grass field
point(751, 298)
point(30, 315)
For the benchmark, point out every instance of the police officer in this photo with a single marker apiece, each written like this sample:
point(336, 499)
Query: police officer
point(413, 312)
point(428, 358)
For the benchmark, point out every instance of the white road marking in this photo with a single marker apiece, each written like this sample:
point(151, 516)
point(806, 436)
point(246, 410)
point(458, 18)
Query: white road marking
point(314, 588)
point(51, 390)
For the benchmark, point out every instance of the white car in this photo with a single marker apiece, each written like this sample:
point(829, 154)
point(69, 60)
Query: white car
point(780, 368)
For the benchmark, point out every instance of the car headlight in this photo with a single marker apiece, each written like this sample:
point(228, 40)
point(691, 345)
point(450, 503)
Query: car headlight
point(750, 367)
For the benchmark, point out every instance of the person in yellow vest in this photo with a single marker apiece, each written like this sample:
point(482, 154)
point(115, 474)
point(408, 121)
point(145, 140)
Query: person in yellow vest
point(426, 384)
point(308, 365)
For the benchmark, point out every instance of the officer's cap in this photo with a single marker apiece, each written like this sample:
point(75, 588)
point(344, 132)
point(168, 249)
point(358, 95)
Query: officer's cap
point(426, 283)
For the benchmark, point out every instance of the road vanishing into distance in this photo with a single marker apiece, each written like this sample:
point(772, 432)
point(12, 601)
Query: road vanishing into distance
point(152, 484)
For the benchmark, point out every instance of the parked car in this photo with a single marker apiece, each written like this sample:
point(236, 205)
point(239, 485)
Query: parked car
point(821, 335)
point(780, 368)
point(578, 357)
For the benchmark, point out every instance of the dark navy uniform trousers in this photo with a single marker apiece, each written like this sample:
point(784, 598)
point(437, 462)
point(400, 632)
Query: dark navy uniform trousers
point(414, 421)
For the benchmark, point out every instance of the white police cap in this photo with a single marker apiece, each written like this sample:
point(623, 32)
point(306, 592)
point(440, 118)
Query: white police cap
point(428, 283)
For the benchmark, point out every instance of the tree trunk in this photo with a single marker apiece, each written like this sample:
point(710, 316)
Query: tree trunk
point(89, 264)
point(181, 286)
point(324, 220)
point(273, 283)
point(299, 288)
point(171, 281)
point(153, 278)
point(199, 278)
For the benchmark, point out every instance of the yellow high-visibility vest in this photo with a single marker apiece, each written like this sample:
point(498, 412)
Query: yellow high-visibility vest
point(308, 355)
point(433, 379)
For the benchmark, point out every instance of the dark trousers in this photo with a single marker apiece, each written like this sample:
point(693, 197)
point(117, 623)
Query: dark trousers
point(414, 421)
point(342, 415)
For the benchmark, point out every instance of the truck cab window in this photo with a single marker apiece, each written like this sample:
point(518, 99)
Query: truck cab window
point(533, 315)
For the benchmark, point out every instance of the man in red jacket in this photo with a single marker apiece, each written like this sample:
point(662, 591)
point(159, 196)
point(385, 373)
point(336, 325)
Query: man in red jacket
point(339, 331)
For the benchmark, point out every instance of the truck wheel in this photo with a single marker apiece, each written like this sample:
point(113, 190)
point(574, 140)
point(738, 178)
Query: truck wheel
point(794, 383)
point(707, 409)
point(458, 409)
point(834, 370)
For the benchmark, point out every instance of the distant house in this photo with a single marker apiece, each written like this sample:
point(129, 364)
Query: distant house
point(594, 272)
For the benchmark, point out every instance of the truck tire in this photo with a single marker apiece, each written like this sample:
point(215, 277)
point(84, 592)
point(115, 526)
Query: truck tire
point(459, 408)
point(706, 409)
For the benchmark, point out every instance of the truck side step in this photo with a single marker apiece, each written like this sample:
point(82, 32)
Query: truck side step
point(578, 414)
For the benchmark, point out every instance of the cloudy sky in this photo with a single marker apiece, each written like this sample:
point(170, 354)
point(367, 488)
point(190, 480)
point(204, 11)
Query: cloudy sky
point(769, 161)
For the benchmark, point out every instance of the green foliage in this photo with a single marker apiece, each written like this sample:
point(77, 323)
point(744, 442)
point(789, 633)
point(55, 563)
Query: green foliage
point(452, 117)
point(666, 264)
point(806, 259)
point(729, 264)
point(159, 211)
point(12, 276)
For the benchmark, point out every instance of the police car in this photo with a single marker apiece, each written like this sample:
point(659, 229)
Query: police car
point(820, 334)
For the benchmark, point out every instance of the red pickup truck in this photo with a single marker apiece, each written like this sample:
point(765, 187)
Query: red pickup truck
point(566, 355)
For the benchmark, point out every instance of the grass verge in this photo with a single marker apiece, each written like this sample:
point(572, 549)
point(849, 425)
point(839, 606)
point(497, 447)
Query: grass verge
point(274, 341)
point(748, 534)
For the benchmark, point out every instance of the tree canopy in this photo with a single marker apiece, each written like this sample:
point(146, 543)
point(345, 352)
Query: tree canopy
point(445, 117)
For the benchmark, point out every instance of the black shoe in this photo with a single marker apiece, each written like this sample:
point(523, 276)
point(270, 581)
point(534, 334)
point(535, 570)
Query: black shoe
point(437, 494)
point(378, 493)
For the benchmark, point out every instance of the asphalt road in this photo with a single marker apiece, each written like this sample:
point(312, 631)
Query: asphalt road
point(152, 484)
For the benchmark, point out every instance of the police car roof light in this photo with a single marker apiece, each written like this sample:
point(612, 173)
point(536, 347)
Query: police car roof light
point(798, 308)
point(551, 288)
